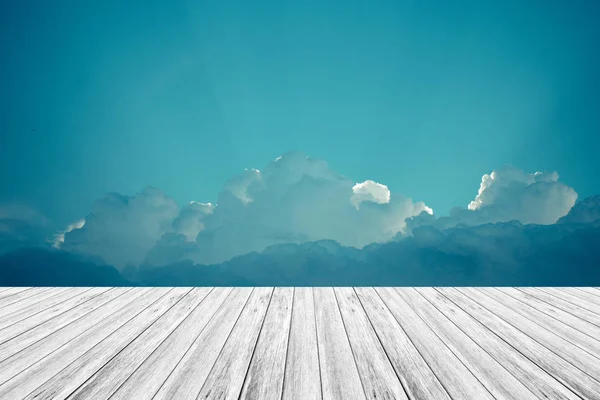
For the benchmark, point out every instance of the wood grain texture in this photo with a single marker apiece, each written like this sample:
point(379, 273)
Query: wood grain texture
point(18, 323)
point(153, 372)
point(227, 375)
point(541, 334)
point(339, 374)
point(13, 298)
point(110, 362)
point(542, 384)
point(65, 352)
point(264, 379)
point(592, 300)
point(569, 319)
point(300, 343)
point(24, 350)
point(6, 294)
point(458, 381)
point(302, 375)
point(572, 377)
point(377, 374)
point(561, 293)
point(564, 305)
point(36, 302)
point(559, 328)
point(497, 380)
point(417, 378)
point(590, 290)
point(186, 380)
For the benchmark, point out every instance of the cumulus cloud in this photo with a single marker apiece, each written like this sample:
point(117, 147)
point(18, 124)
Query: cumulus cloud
point(294, 199)
point(509, 194)
point(122, 229)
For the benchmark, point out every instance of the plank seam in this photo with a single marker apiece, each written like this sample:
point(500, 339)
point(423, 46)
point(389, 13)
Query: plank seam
point(287, 348)
point(525, 334)
point(57, 349)
point(132, 340)
point(194, 341)
point(406, 390)
point(312, 291)
point(503, 339)
point(262, 323)
point(568, 301)
point(337, 303)
point(162, 341)
point(556, 319)
point(444, 342)
point(413, 344)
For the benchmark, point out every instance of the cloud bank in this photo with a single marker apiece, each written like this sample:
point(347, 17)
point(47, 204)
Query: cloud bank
point(297, 222)
point(294, 199)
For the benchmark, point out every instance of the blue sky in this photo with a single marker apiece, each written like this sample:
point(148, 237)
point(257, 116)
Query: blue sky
point(425, 97)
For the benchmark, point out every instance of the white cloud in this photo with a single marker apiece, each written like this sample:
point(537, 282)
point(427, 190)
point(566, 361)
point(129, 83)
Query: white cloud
point(509, 194)
point(370, 191)
point(122, 229)
point(295, 199)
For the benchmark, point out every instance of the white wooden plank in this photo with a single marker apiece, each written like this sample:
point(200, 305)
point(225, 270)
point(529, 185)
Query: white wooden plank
point(559, 328)
point(302, 376)
point(150, 376)
point(186, 380)
point(46, 322)
point(20, 296)
point(57, 297)
point(11, 291)
point(226, 378)
point(31, 347)
point(32, 302)
point(538, 381)
point(458, 381)
point(416, 376)
point(339, 374)
point(563, 348)
point(103, 368)
point(152, 302)
point(592, 300)
point(497, 380)
point(264, 379)
point(581, 325)
point(589, 290)
point(378, 377)
point(569, 375)
point(578, 301)
point(564, 305)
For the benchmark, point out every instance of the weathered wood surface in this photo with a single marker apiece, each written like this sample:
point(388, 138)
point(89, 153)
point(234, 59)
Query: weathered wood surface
point(299, 343)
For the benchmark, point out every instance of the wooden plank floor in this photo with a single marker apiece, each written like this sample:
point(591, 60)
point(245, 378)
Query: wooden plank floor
point(300, 343)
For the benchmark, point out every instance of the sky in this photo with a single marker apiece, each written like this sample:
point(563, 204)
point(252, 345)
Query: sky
point(424, 97)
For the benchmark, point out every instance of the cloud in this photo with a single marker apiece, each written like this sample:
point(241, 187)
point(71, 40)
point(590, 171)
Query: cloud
point(492, 254)
point(509, 194)
point(294, 199)
point(122, 229)
point(584, 212)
